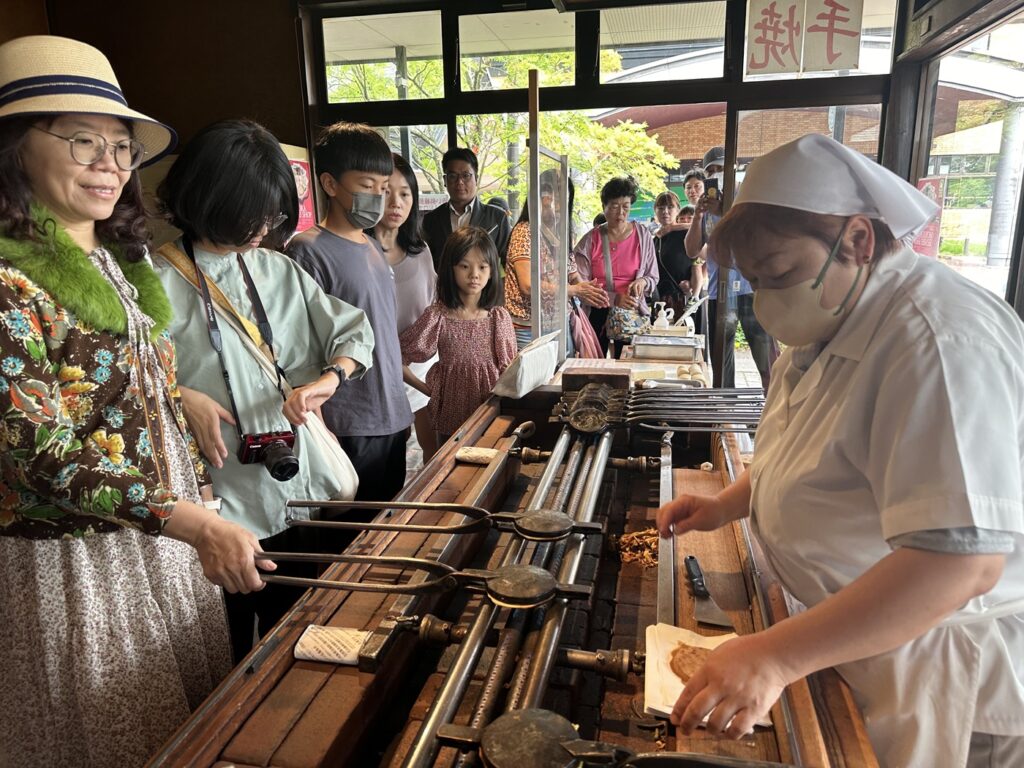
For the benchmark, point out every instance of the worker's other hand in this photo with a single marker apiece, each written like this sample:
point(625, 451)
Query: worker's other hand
point(692, 513)
point(735, 688)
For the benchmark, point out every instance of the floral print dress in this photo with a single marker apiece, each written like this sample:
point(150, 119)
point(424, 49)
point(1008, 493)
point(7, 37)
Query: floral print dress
point(111, 635)
point(473, 354)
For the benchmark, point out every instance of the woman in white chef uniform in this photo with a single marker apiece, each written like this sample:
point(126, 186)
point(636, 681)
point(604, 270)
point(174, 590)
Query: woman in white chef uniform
point(886, 483)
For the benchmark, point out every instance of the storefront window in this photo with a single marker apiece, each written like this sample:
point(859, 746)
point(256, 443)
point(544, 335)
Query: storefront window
point(386, 57)
point(977, 155)
point(423, 146)
point(497, 50)
point(685, 41)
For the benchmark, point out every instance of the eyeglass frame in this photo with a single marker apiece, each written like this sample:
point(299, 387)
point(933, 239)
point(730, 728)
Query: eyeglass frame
point(451, 177)
point(105, 147)
point(275, 221)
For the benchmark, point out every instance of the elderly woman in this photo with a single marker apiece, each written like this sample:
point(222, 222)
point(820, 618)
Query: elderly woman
point(230, 190)
point(886, 484)
point(111, 633)
point(634, 270)
point(518, 279)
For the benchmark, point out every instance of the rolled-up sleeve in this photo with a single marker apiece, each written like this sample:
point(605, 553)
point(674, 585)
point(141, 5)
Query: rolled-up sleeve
point(340, 329)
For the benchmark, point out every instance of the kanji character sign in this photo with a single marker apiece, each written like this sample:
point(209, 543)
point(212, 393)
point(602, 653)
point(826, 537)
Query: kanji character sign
point(774, 40)
point(832, 39)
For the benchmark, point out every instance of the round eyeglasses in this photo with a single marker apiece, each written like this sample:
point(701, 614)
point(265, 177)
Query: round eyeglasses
point(88, 148)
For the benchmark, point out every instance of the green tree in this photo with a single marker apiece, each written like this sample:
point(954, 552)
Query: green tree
point(596, 152)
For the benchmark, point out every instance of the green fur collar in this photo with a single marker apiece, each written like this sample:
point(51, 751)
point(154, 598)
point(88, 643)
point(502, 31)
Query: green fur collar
point(56, 264)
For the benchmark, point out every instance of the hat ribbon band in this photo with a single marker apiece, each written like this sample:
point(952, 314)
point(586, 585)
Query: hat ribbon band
point(46, 85)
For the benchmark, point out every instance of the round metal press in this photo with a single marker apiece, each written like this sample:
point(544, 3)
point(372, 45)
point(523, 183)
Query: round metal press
point(527, 737)
point(543, 525)
point(521, 586)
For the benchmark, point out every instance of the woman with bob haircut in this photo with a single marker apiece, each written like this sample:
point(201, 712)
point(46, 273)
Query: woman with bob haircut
point(634, 266)
point(111, 633)
point(886, 486)
point(232, 194)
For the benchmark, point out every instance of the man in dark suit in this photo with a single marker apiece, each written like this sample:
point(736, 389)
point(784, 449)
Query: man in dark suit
point(464, 208)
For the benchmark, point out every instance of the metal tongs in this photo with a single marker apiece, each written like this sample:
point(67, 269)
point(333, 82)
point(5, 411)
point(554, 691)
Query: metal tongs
point(513, 586)
point(516, 586)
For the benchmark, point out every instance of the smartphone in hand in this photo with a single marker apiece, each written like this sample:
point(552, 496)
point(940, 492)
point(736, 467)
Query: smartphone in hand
point(711, 188)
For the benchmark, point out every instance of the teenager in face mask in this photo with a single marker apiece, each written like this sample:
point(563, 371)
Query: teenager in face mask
point(370, 416)
point(885, 486)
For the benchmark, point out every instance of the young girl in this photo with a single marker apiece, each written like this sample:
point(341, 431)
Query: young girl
point(472, 336)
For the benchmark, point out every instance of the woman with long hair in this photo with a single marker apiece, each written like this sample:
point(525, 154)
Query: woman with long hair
point(399, 235)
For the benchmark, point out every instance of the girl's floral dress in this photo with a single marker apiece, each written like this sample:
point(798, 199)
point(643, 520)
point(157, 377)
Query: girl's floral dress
point(111, 634)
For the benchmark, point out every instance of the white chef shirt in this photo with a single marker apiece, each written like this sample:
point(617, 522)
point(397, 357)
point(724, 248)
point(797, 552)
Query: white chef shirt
point(910, 419)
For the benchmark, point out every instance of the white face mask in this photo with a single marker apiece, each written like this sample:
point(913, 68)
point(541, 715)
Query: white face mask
point(794, 315)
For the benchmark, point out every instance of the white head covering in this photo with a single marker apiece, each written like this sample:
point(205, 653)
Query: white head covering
point(820, 175)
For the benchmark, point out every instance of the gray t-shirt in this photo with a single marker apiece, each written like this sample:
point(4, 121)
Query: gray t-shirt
point(358, 273)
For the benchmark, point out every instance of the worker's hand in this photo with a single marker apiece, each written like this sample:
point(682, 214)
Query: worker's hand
point(302, 400)
point(735, 688)
point(204, 415)
point(692, 513)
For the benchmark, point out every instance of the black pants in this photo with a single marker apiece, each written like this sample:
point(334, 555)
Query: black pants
point(380, 463)
point(262, 610)
point(762, 346)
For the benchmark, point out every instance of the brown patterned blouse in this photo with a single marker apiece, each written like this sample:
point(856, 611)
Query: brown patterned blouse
point(81, 439)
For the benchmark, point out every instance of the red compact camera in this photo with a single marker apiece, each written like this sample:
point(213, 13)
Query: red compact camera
point(273, 450)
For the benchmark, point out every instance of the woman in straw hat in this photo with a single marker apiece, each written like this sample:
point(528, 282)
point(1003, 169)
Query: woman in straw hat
point(111, 633)
point(886, 484)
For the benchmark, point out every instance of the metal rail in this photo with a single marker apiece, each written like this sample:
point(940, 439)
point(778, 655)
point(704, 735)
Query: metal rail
point(547, 644)
point(424, 748)
point(666, 547)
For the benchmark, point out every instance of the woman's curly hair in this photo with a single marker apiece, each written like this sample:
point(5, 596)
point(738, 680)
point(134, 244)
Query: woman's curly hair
point(125, 229)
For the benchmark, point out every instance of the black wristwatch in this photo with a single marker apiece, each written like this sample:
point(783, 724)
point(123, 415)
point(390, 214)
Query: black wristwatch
point(338, 371)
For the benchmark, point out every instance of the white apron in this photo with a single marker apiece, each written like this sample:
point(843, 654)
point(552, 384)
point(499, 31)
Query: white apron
point(891, 431)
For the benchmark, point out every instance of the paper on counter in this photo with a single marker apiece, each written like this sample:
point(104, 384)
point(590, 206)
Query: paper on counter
point(662, 686)
point(471, 454)
point(335, 645)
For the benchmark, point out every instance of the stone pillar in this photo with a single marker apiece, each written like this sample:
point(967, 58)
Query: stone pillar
point(1007, 186)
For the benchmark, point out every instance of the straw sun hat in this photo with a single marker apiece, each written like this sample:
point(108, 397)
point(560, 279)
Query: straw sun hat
point(47, 75)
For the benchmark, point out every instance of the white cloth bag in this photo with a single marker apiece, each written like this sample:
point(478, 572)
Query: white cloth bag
point(327, 446)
